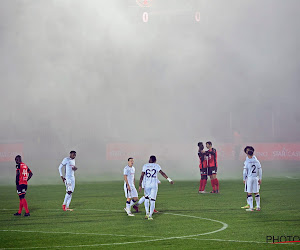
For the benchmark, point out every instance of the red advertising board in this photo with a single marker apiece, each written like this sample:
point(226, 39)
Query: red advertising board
point(264, 151)
point(8, 152)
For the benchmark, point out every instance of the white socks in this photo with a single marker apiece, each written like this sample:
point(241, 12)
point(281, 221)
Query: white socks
point(250, 201)
point(147, 205)
point(257, 199)
point(152, 207)
point(141, 200)
point(69, 200)
point(128, 207)
point(66, 199)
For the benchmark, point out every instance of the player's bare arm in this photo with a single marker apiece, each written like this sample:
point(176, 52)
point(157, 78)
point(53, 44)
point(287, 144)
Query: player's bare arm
point(141, 180)
point(165, 176)
point(17, 177)
point(126, 180)
point(30, 174)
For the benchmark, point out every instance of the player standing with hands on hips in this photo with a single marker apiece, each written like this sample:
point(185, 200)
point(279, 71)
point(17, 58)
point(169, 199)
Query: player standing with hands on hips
point(68, 179)
point(149, 172)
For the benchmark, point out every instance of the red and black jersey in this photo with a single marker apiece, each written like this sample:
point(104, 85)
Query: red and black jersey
point(203, 160)
point(212, 157)
point(22, 172)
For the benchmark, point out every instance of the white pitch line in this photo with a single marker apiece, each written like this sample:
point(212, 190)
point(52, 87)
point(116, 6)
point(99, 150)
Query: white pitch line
point(293, 178)
point(241, 241)
point(43, 232)
point(191, 216)
point(141, 241)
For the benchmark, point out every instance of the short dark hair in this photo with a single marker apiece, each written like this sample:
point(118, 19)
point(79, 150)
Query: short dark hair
point(200, 145)
point(209, 142)
point(245, 149)
point(249, 148)
point(152, 159)
point(130, 158)
point(73, 152)
point(250, 152)
point(18, 156)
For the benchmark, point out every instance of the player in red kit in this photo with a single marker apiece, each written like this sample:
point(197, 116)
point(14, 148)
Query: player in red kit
point(212, 167)
point(203, 168)
point(23, 174)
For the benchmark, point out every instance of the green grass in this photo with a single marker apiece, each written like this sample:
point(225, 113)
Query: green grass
point(98, 217)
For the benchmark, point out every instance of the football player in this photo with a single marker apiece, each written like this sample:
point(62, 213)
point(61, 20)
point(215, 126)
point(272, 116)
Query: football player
point(246, 149)
point(131, 193)
point(211, 153)
point(203, 167)
point(252, 175)
point(149, 172)
point(68, 179)
point(23, 175)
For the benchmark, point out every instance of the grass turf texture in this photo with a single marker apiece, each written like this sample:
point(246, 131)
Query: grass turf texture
point(98, 217)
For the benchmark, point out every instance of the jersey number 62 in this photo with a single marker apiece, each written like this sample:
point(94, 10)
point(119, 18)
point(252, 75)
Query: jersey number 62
point(149, 174)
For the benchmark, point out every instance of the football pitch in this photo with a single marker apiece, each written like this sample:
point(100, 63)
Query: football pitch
point(186, 219)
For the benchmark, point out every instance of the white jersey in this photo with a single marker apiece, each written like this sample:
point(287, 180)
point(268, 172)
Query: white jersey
point(151, 171)
point(69, 164)
point(252, 168)
point(129, 172)
point(247, 159)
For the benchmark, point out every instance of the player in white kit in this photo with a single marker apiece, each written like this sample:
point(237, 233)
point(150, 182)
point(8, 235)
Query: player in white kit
point(246, 149)
point(252, 175)
point(68, 179)
point(149, 175)
point(131, 193)
point(142, 199)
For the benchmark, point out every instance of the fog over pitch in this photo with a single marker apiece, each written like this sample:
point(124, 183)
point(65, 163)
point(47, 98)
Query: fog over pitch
point(81, 74)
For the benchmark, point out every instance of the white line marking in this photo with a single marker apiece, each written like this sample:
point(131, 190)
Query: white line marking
point(191, 216)
point(43, 232)
point(241, 241)
point(133, 242)
point(294, 178)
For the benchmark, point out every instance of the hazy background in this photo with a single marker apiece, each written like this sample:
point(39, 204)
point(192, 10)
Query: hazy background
point(78, 74)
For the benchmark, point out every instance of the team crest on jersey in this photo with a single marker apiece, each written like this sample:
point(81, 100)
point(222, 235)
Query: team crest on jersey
point(144, 3)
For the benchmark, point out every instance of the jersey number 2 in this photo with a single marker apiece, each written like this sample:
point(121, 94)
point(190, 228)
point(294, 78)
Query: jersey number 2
point(254, 168)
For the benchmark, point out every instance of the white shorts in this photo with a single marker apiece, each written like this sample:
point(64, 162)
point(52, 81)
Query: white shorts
point(130, 194)
point(151, 192)
point(251, 185)
point(143, 183)
point(70, 184)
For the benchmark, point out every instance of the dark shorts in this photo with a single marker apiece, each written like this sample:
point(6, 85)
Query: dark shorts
point(21, 189)
point(203, 171)
point(212, 170)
